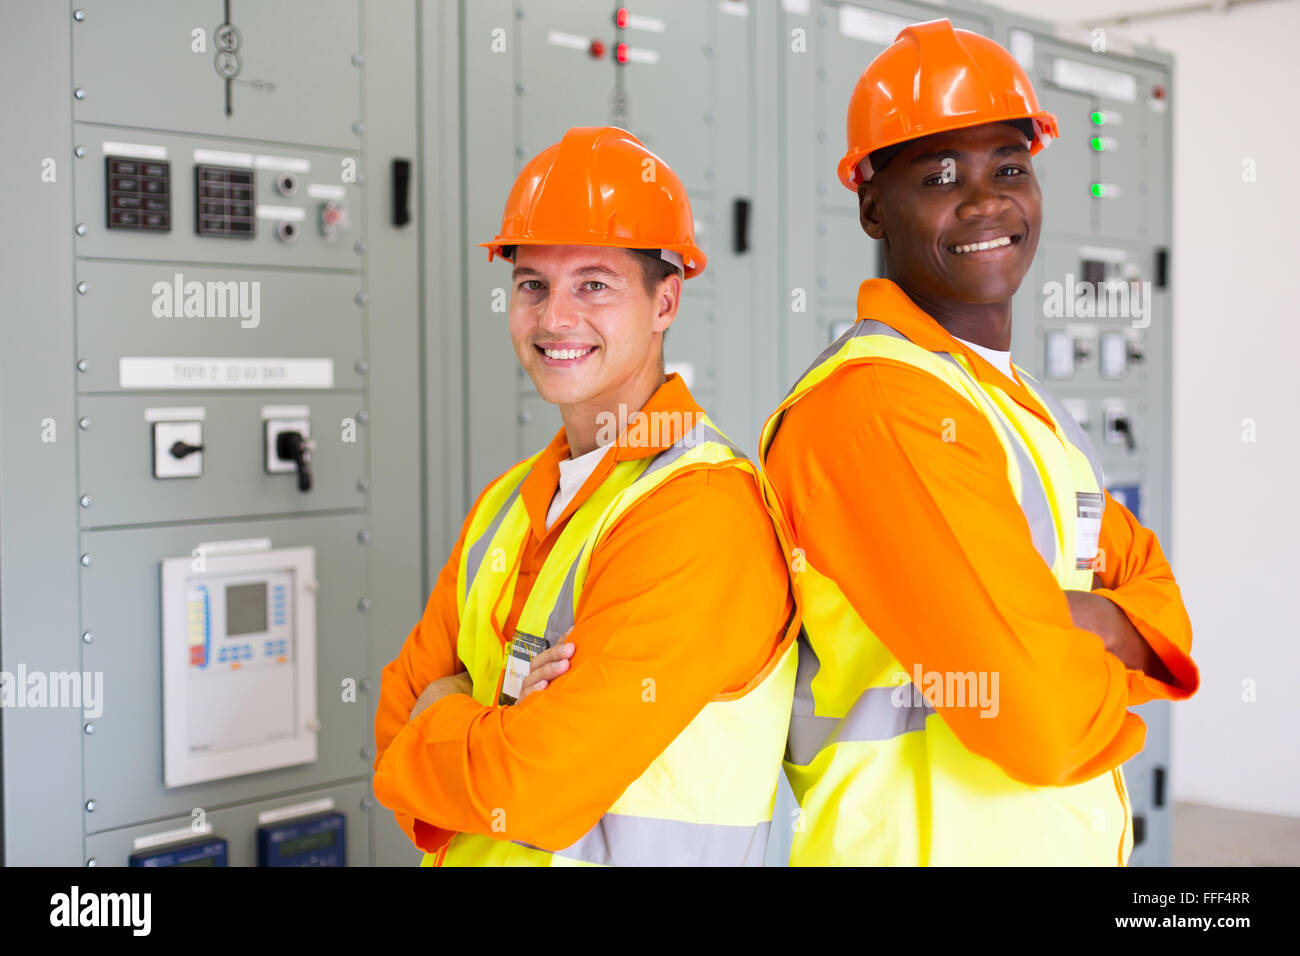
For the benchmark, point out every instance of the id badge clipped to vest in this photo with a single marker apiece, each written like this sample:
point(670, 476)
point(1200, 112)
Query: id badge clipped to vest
point(1090, 505)
point(523, 648)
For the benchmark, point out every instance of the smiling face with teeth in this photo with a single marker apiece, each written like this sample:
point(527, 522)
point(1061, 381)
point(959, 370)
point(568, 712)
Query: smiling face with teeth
point(959, 214)
point(587, 331)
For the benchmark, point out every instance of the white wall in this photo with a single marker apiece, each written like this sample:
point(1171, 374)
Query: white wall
point(1236, 276)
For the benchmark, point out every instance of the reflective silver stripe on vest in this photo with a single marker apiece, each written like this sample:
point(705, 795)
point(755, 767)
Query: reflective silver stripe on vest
point(875, 715)
point(859, 328)
point(1073, 431)
point(621, 840)
point(478, 547)
point(1033, 496)
point(561, 619)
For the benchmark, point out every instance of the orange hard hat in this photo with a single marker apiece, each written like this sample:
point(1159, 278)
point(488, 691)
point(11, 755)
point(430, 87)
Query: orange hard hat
point(599, 186)
point(932, 79)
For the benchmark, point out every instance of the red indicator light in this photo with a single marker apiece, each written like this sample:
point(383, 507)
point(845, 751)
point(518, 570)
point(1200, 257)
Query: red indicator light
point(620, 18)
point(620, 53)
point(1158, 92)
point(597, 49)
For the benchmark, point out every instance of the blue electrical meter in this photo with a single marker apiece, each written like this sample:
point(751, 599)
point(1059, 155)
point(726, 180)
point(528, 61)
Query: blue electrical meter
point(198, 853)
point(315, 841)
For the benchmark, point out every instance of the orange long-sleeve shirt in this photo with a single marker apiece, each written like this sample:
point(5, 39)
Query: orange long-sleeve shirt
point(927, 541)
point(689, 589)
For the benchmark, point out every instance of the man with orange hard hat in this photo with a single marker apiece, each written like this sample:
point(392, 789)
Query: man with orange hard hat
point(605, 668)
point(979, 614)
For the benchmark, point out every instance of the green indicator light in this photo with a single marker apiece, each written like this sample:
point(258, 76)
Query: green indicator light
point(1098, 143)
point(1098, 119)
point(1098, 190)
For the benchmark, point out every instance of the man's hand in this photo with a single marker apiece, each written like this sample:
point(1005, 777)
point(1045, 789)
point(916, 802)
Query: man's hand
point(440, 688)
point(1102, 616)
point(547, 666)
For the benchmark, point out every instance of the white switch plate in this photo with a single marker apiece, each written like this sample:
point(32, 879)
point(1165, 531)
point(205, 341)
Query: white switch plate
point(274, 426)
point(166, 434)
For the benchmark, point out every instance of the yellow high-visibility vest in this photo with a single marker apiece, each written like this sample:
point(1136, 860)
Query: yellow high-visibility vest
point(707, 799)
point(883, 784)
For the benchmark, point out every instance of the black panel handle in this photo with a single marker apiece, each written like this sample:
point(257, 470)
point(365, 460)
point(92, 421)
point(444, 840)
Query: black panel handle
point(740, 226)
point(401, 192)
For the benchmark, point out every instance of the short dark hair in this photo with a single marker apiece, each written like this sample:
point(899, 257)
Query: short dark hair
point(654, 270)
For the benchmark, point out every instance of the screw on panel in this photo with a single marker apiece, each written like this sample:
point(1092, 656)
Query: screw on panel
point(363, 536)
point(86, 501)
point(79, 15)
point(84, 424)
point(361, 298)
point(87, 637)
point(91, 862)
point(367, 685)
point(79, 152)
point(520, 89)
point(363, 484)
point(90, 727)
point(82, 365)
point(519, 13)
point(363, 417)
point(358, 59)
point(708, 50)
point(362, 366)
point(520, 152)
point(368, 752)
point(90, 806)
point(87, 560)
point(359, 247)
point(525, 417)
point(358, 127)
point(79, 93)
point(83, 287)
point(364, 605)
point(367, 803)
point(81, 228)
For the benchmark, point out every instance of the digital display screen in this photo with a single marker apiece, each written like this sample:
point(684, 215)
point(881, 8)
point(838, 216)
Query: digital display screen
point(204, 861)
point(246, 609)
point(305, 844)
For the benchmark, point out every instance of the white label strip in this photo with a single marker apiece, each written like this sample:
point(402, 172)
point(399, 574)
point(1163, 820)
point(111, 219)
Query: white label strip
point(221, 157)
point(642, 55)
point(569, 40)
point(286, 411)
point(296, 810)
point(234, 546)
point(1022, 48)
point(170, 836)
point(737, 8)
point(795, 6)
point(636, 21)
point(290, 164)
point(290, 213)
point(137, 150)
point(1098, 80)
point(870, 26)
point(1102, 253)
point(175, 414)
point(325, 191)
point(202, 372)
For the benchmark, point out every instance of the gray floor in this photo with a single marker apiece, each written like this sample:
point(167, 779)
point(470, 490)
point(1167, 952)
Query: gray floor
point(1210, 836)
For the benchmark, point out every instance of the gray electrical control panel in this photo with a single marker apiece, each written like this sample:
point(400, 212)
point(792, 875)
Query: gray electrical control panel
point(191, 411)
point(1093, 319)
